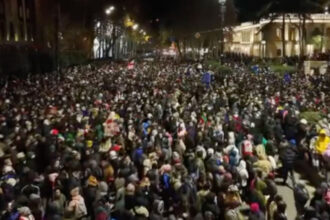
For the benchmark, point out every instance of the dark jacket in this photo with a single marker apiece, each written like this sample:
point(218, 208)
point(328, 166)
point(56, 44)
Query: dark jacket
point(257, 216)
point(288, 156)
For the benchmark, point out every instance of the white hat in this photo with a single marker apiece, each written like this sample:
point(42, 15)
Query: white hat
point(11, 181)
point(24, 210)
point(210, 151)
point(113, 155)
point(303, 121)
point(8, 169)
point(20, 155)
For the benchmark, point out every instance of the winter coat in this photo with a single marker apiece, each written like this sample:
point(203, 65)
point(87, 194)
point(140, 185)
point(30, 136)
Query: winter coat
point(102, 213)
point(271, 187)
point(247, 148)
point(77, 203)
point(233, 214)
point(288, 156)
point(90, 195)
point(243, 173)
point(321, 144)
point(301, 194)
point(264, 165)
point(257, 216)
point(120, 199)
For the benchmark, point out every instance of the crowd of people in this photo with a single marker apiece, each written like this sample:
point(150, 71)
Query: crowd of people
point(160, 141)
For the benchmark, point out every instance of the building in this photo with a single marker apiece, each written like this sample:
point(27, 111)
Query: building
point(264, 39)
point(17, 21)
point(27, 36)
point(112, 41)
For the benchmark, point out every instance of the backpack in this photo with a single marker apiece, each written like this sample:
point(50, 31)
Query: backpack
point(301, 195)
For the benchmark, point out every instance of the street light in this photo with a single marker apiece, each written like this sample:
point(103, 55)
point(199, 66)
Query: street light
point(109, 10)
point(135, 27)
point(326, 10)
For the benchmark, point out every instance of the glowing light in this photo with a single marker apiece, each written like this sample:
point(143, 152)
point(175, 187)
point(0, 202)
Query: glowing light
point(128, 22)
point(109, 10)
point(135, 26)
point(98, 24)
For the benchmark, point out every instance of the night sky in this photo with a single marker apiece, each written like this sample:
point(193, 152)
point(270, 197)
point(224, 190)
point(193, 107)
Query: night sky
point(187, 16)
point(204, 14)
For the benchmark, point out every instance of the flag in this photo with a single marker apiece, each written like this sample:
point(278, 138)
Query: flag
point(130, 65)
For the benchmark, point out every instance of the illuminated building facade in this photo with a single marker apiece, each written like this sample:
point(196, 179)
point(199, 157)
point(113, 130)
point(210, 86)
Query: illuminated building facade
point(264, 39)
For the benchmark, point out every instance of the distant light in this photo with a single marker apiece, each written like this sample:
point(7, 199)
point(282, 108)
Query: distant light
point(109, 10)
point(98, 24)
point(326, 10)
point(135, 26)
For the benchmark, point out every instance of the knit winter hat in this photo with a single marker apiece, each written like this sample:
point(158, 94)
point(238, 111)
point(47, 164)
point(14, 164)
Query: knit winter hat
point(130, 189)
point(73, 184)
point(24, 211)
point(141, 211)
point(254, 207)
point(103, 187)
point(92, 181)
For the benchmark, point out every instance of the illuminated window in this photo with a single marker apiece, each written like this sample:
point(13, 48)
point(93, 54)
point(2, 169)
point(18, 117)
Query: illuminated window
point(278, 33)
point(246, 36)
point(292, 34)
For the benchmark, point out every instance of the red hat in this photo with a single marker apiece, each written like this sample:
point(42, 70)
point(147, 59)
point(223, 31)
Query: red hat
point(54, 132)
point(116, 148)
point(254, 207)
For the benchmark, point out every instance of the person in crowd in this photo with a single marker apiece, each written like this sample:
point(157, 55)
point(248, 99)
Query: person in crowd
point(157, 142)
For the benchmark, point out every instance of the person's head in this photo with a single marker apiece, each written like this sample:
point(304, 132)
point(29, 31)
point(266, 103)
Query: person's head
point(322, 133)
point(57, 193)
point(278, 199)
point(281, 207)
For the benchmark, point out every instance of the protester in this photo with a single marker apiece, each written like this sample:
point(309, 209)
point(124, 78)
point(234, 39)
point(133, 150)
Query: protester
point(155, 142)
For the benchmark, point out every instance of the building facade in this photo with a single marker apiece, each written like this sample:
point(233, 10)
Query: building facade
point(18, 21)
point(112, 41)
point(264, 39)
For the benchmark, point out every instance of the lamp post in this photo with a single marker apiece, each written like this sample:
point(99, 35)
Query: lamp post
point(222, 4)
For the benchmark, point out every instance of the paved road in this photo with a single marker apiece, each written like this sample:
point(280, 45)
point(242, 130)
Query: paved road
point(287, 193)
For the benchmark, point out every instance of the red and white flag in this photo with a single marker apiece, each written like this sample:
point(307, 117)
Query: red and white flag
point(130, 65)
